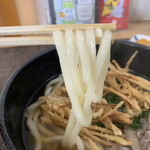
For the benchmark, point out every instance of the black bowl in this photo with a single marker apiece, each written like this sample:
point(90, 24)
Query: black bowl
point(27, 83)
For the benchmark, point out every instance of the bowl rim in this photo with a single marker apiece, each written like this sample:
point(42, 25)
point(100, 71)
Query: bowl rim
point(3, 129)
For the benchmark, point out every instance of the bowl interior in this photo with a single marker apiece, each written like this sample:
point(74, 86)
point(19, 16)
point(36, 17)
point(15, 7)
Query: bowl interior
point(28, 82)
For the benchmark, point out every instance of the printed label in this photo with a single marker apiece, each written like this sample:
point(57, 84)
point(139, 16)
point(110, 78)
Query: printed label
point(85, 10)
point(74, 11)
point(114, 11)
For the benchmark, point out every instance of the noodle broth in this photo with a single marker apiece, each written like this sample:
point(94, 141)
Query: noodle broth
point(28, 139)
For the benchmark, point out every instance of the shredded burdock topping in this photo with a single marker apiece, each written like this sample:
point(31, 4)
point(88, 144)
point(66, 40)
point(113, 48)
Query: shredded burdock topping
point(57, 110)
point(133, 90)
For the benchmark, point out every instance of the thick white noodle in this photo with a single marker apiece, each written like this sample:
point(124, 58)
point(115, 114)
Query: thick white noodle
point(80, 144)
point(34, 106)
point(99, 88)
point(50, 87)
point(91, 42)
point(48, 90)
point(82, 71)
point(53, 139)
point(45, 131)
point(72, 57)
point(69, 129)
point(86, 72)
point(32, 115)
point(102, 61)
point(86, 66)
point(103, 50)
point(90, 39)
point(74, 134)
point(61, 49)
point(98, 33)
point(34, 131)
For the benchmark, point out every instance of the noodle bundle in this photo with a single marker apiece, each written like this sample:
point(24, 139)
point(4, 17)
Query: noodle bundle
point(84, 74)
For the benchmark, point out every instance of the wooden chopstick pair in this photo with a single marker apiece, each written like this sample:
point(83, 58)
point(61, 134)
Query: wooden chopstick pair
point(40, 34)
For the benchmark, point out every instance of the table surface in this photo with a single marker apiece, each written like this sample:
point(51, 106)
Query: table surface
point(10, 59)
point(133, 29)
point(13, 57)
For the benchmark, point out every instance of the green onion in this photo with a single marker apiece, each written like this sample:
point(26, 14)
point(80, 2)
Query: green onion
point(119, 125)
point(100, 125)
point(112, 98)
point(136, 121)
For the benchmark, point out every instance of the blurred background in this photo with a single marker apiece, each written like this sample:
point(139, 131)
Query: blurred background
point(125, 13)
point(28, 12)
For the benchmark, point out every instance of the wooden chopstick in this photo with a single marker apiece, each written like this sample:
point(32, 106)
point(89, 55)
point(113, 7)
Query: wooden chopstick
point(47, 29)
point(37, 40)
point(40, 34)
point(30, 40)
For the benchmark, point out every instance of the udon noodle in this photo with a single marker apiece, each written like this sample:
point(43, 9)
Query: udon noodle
point(75, 112)
point(84, 73)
